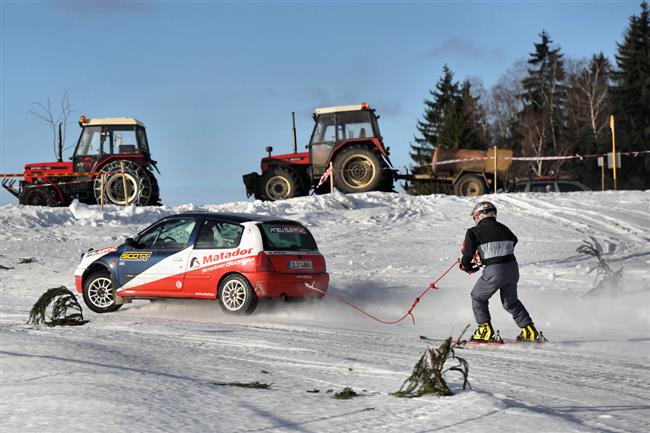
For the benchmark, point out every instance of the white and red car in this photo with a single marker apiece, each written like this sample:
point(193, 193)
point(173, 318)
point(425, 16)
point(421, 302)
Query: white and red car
point(233, 258)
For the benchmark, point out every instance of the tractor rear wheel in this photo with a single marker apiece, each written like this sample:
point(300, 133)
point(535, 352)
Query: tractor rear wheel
point(470, 185)
point(359, 169)
point(135, 186)
point(39, 196)
point(278, 183)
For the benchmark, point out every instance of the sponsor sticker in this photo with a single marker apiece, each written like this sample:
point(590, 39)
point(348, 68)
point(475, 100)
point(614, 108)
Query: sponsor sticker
point(101, 251)
point(288, 229)
point(135, 256)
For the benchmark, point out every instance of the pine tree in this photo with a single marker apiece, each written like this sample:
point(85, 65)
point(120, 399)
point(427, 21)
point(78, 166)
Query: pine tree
point(542, 120)
point(630, 99)
point(463, 125)
point(429, 129)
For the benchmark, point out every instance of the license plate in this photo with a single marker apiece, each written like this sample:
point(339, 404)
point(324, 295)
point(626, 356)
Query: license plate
point(299, 264)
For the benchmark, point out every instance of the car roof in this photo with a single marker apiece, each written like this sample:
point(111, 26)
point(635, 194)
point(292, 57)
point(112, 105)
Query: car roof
point(236, 218)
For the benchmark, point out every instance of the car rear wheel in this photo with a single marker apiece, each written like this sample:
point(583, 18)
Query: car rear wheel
point(236, 295)
point(99, 294)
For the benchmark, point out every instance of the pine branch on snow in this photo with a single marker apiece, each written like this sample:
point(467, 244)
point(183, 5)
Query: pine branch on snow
point(606, 278)
point(428, 374)
point(65, 310)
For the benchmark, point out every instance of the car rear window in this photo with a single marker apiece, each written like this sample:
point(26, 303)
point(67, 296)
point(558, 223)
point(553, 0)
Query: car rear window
point(283, 236)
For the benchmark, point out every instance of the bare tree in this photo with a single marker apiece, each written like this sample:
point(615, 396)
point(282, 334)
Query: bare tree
point(503, 105)
point(588, 95)
point(52, 117)
point(532, 129)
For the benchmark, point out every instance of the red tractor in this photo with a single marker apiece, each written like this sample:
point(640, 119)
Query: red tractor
point(111, 164)
point(346, 136)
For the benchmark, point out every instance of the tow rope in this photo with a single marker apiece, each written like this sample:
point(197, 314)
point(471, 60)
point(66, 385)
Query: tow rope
point(388, 322)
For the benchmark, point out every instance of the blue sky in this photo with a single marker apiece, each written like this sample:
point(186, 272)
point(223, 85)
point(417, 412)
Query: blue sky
point(216, 81)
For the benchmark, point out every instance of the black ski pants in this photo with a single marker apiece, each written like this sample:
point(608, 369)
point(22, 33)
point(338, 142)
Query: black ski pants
point(502, 277)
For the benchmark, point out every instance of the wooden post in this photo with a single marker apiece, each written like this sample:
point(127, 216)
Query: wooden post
point(331, 178)
point(126, 198)
point(611, 126)
point(495, 169)
point(101, 191)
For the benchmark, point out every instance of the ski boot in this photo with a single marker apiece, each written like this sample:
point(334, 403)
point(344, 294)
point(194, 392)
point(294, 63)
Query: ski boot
point(484, 333)
point(530, 334)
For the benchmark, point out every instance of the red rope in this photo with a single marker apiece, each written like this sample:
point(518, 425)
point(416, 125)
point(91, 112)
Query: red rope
point(408, 313)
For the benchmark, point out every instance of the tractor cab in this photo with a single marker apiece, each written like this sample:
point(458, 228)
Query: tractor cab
point(103, 138)
point(335, 125)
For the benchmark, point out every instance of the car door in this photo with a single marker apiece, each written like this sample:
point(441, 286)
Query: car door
point(216, 251)
point(157, 263)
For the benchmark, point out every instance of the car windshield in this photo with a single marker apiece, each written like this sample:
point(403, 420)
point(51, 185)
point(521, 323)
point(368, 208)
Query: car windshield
point(286, 236)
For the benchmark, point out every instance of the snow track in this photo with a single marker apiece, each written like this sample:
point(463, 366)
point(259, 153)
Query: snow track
point(173, 366)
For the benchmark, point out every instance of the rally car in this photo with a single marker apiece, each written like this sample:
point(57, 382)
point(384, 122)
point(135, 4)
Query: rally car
point(233, 258)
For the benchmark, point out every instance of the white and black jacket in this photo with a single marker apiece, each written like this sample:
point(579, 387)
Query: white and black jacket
point(494, 242)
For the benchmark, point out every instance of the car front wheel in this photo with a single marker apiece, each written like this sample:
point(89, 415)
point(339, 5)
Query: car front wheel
point(99, 294)
point(236, 295)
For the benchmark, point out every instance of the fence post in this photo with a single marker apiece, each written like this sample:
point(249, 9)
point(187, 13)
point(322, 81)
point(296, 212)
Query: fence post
point(102, 176)
point(126, 197)
point(611, 126)
point(331, 178)
point(495, 169)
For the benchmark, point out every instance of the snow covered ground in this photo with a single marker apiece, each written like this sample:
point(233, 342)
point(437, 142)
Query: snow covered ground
point(165, 366)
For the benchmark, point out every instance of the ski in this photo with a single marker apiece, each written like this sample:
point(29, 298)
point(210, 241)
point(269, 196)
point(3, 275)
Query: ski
point(500, 342)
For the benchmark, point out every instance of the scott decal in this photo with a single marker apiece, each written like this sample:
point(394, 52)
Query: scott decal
point(140, 257)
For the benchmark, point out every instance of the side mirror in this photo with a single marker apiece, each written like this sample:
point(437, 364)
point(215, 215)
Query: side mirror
point(131, 243)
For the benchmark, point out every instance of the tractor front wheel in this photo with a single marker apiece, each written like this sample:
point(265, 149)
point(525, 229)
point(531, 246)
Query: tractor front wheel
point(359, 169)
point(278, 183)
point(38, 196)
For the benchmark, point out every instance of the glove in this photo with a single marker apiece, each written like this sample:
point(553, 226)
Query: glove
point(471, 269)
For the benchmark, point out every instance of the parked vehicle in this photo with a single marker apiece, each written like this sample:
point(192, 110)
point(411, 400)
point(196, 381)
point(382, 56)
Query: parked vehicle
point(115, 147)
point(236, 259)
point(469, 171)
point(547, 184)
point(348, 138)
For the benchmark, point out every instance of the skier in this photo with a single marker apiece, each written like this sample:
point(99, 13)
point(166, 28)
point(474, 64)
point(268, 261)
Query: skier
point(491, 244)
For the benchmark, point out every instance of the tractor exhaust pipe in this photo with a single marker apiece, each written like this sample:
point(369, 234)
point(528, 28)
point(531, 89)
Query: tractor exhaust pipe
point(295, 142)
point(60, 156)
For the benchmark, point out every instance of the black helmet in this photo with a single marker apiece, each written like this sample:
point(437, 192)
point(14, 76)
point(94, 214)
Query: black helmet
point(482, 210)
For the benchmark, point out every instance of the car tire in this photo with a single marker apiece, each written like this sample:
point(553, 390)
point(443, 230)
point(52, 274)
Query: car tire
point(236, 295)
point(470, 185)
point(359, 169)
point(99, 294)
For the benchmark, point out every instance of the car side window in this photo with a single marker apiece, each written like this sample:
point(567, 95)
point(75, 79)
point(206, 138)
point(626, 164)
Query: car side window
point(542, 187)
point(568, 187)
point(173, 234)
point(217, 235)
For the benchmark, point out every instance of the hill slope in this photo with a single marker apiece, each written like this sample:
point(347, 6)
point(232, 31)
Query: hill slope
point(165, 366)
